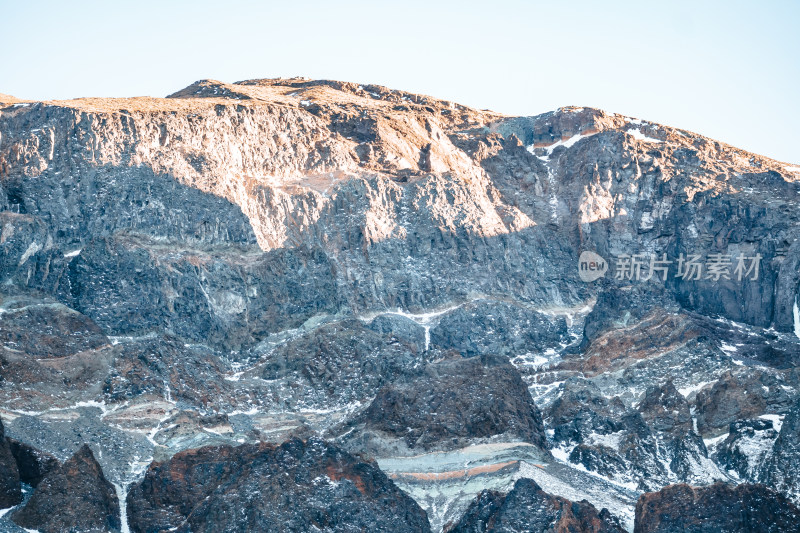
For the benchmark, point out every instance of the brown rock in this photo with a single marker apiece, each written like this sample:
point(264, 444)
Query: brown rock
point(74, 497)
point(33, 464)
point(528, 508)
point(716, 508)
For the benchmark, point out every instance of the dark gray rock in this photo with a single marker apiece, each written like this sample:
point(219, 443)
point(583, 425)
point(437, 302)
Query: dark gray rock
point(10, 490)
point(298, 486)
point(747, 445)
point(449, 404)
point(340, 363)
point(780, 469)
point(73, 497)
point(527, 508)
point(33, 464)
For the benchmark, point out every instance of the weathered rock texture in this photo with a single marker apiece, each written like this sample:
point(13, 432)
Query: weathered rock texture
point(450, 404)
point(73, 497)
point(10, 490)
point(298, 486)
point(718, 507)
point(527, 508)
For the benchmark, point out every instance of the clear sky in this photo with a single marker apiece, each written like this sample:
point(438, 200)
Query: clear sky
point(729, 70)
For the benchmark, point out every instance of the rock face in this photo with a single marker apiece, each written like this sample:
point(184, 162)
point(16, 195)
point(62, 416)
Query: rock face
point(298, 486)
point(74, 496)
point(718, 507)
point(33, 464)
point(779, 470)
point(10, 490)
point(449, 404)
point(248, 262)
point(527, 508)
point(651, 446)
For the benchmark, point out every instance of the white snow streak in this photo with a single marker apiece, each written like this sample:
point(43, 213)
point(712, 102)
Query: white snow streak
point(122, 493)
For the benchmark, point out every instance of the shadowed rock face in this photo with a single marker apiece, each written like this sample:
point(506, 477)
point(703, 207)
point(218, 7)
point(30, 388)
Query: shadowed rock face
point(450, 403)
point(297, 486)
point(748, 444)
point(780, 470)
point(719, 507)
point(33, 464)
point(527, 508)
point(10, 490)
point(74, 496)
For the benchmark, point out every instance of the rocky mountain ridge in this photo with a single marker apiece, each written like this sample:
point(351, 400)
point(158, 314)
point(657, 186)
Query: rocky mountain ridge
point(286, 259)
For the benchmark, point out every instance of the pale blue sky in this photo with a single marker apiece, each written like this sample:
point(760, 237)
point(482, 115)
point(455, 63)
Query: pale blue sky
point(729, 70)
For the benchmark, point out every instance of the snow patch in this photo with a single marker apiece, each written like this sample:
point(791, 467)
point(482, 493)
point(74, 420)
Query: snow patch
point(796, 312)
point(73, 253)
point(566, 144)
point(122, 493)
point(777, 421)
point(728, 348)
point(636, 133)
point(686, 391)
point(713, 442)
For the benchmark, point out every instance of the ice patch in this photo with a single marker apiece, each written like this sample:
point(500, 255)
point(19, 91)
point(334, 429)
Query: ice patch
point(610, 440)
point(561, 454)
point(796, 312)
point(73, 253)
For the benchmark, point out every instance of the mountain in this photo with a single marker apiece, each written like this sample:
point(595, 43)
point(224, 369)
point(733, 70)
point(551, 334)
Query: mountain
point(453, 299)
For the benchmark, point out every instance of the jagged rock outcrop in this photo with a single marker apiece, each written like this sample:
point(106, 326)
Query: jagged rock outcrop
point(10, 490)
point(719, 507)
point(340, 363)
point(780, 469)
point(649, 447)
point(743, 394)
point(527, 508)
point(33, 464)
point(748, 444)
point(72, 497)
point(446, 405)
point(297, 486)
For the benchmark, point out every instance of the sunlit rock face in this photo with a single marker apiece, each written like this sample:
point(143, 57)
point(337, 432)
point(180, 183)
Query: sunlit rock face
point(272, 260)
